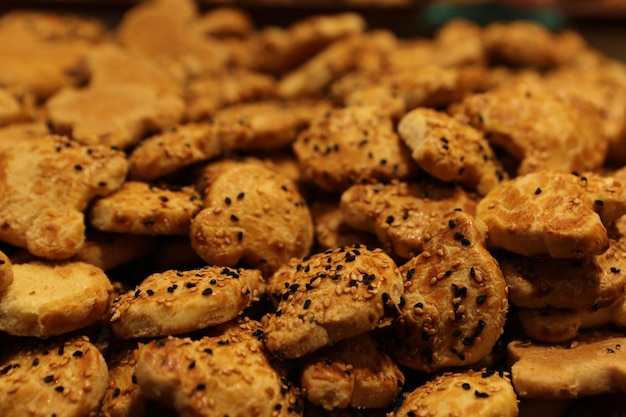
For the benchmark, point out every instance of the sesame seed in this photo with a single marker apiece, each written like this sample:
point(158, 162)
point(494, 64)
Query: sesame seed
point(116, 392)
point(77, 354)
point(465, 242)
point(207, 291)
point(599, 202)
point(466, 386)
point(59, 388)
point(481, 299)
point(61, 350)
point(48, 379)
point(234, 218)
point(615, 270)
point(192, 365)
point(451, 224)
point(241, 195)
point(389, 219)
point(227, 200)
point(78, 167)
point(538, 191)
point(201, 387)
point(479, 394)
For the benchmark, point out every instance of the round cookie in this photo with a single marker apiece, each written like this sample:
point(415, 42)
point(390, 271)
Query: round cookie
point(330, 296)
point(455, 298)
point(481, 393)
point(47, 299)
point(64, 377)
point(175, 302)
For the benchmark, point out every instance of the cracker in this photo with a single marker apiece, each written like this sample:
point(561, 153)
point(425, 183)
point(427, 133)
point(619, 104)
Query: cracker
point(142, 208)
point(481, 393)
point(352, 373)
point(513, 118)
point(225, 374)
point(254, 216)
point(398, 214)
point(591, 364)
point(352, 145)
point(47, 299)
point(451, 151)
point(455, 297)
point(48, 182)
point(64, 376)
point(330, 296)
point(551, 213)
point(176, 302)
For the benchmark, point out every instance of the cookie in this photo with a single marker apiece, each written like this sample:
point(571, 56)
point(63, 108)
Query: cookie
point(117, 115)
point(254, 216)
point(328, 297)
point(225, 22)
point(48, 182)
point(561, 215)
point(352, 373)
point(110, 250)
point(20, 131)
point(513, 118)
point(142, 208)
point(6, 272)
point(204, 96)
point(47, 299)
point(352, 145)
point(330, 229)
point(591, 364)
point(476, 393)
point(123, 397)
point(175, 302)
point(398, 214)
point(43, 52)
point(60, 376)
point(527, 43)
point(451, 151)
point(225, 374)
point(455, 298)
point(14, 107)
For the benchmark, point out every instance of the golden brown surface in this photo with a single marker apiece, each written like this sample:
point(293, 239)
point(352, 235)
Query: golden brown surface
point(225, 374)
point(399, 213)
point(591, 364)
point(123, 397)
point(175, 302)
point(66, 376)
point(47, 299)
point(146, 209)
point(455, 297)
point(354, 372)
point(562, 215)
point(328, 297)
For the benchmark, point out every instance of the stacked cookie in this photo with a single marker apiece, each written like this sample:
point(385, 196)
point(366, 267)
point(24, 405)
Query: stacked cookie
point(319, 219)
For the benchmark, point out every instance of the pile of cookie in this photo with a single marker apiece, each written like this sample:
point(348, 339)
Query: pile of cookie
point(200, 217)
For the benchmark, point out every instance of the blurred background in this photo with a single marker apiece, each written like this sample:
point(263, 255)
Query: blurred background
point(601, 22)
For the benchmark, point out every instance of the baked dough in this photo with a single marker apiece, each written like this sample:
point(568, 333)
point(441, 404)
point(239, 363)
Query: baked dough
point(330, 296)
point(175, 302)
point(64, 376)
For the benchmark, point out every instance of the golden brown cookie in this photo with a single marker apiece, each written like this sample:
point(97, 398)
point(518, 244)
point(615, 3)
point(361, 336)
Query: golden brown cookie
point(123, 397)
point(482, 393)
point(6, 272)
point(175, 302)
point(352, 145)
point(455, 297)
point(527, 43)
point(513, 117)
point(591, 364)
point(110, 250)
point(206, 95)
point(43, 52)
point(47, 182)
point(354, 372)
point(278, 50)
point(584, 284)
point(225, 374)
point(330, 296)
point(224, 22)
point(116, 115)
point(179, 44)
point(146, 209)
point(398, 214)
point(450, 150)
point(252, 215)
point(47, 299)
point(552, 213)
point(61, 376)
